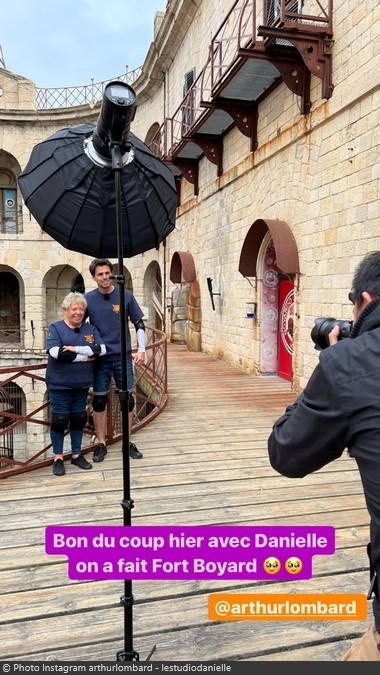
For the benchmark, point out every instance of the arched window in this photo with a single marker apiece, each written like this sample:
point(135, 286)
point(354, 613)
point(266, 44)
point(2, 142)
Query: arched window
point(8, 202)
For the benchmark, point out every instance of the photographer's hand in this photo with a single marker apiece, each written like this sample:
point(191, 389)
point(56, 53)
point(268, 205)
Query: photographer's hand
point(334, 335)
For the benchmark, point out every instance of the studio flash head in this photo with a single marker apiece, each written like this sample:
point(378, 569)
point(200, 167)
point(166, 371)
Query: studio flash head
point(116, 115)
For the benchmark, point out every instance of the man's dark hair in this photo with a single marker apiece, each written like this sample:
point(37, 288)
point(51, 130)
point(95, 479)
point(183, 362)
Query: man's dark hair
point(367, 277)
point(99, 262)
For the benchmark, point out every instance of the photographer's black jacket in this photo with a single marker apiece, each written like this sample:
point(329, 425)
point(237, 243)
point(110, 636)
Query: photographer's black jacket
point(339, 409)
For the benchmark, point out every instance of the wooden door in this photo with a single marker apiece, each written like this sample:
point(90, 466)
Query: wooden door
point(285, 329)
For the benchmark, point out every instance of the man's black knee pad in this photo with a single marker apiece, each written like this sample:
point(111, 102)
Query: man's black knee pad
point(99, 402)
point(59, 422)
point(78, 421)
point(131, 403)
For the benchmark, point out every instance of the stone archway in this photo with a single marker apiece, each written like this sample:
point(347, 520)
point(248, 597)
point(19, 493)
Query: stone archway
point(186, 315)
point(284, 243)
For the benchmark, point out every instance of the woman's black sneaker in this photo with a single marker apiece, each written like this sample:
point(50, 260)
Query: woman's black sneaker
point(59, 467)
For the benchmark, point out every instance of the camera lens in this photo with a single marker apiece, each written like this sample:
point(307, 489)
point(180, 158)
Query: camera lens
point(323, 326)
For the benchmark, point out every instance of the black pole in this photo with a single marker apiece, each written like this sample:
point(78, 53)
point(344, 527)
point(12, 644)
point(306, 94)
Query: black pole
point(126, 600)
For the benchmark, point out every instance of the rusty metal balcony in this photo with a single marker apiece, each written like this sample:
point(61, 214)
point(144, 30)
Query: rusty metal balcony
point(259, 45)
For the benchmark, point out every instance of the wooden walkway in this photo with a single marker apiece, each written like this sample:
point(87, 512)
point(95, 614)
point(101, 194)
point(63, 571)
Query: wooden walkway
point(205, 462)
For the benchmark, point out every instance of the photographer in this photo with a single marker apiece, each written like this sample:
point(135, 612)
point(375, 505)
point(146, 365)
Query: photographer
point(338, 409)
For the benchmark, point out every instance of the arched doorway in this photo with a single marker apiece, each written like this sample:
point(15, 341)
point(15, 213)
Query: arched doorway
point(10, 319)
point(59, 281)
point(154, 300)
point(186, 316)
point(269, 254)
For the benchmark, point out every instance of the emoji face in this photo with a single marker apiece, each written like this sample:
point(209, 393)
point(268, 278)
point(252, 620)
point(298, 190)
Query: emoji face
point(272, 565)
point(293, 565)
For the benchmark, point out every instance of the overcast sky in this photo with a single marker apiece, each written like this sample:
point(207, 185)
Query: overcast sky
point(63, 43)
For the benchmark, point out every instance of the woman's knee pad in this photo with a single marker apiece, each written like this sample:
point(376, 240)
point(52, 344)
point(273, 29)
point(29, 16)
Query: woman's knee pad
point(59, 422)
point(78, 421)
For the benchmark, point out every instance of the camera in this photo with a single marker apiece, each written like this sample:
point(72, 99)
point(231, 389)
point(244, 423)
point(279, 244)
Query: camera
point(323, 326)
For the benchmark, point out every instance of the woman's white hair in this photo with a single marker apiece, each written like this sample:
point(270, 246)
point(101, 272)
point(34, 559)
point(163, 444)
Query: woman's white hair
point(74, 298)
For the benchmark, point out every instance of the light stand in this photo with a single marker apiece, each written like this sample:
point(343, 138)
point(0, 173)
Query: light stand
point(126, 600)
point(109, 147)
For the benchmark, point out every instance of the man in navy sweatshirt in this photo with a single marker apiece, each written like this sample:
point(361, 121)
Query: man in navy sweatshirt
point(103, 310)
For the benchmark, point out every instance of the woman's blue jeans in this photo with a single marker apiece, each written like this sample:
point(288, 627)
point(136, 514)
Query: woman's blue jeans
point(64, 402)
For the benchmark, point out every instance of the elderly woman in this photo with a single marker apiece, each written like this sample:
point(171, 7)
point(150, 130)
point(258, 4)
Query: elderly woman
point(72, 346)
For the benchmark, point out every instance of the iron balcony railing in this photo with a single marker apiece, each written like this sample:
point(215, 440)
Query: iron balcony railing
point(67, 97)
point(11, 339)
point(238, 31)
point(11, 223)
point(33, 437)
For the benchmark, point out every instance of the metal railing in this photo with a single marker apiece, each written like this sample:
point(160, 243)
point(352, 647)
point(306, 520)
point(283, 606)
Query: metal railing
point(12, 339)
point(11, 223)
point(67, 97)
point(238, 30)
point(151, 395)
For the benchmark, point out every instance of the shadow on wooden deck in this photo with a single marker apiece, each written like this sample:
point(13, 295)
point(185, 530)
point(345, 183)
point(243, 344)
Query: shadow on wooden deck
point(205, 462)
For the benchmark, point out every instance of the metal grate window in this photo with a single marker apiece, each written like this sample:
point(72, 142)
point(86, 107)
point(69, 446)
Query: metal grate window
point(188, 106)
point(18, 403)
point(10, 215)
point(273, 9)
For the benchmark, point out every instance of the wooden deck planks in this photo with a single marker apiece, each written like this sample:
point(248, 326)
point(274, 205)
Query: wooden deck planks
point(205, 462)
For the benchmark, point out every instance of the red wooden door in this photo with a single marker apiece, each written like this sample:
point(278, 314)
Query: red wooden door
point(285, 329)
